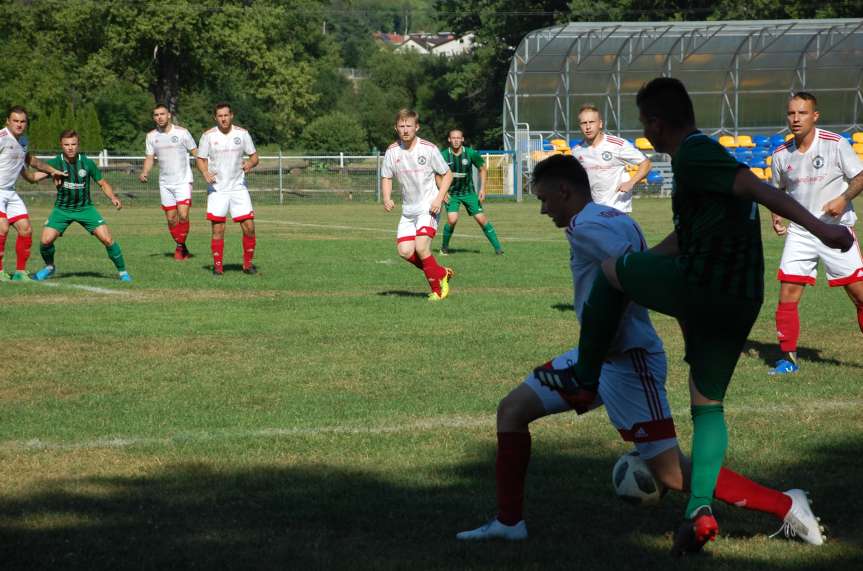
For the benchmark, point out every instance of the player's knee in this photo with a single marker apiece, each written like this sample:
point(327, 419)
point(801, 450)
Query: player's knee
point(511, 413)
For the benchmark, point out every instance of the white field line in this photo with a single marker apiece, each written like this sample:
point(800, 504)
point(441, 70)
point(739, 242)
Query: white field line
point(392, 232)
point(421, 425)
point(92, 289)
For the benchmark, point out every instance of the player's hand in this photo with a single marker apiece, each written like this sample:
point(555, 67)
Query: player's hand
point(247, 167)
point(482, 195)
point(58, 176)
point(625, 186)
point(435, 206)
point(143, 177)
point(389, 205)
point(778, 227)
point(836, 207)
point(210, 177)
point(116, 202)
point(836, 236)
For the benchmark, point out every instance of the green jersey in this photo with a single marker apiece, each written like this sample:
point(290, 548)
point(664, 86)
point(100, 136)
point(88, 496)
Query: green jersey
point(719, 234)
point(461, 166)
point(74, 192)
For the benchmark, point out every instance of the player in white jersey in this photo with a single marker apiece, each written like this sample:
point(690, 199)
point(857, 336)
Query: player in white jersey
point(220, 160)
point(14, 159)
point(425, 179)
point(820, 170)
point(605, 158)
point(171, 144)
point(632, 385)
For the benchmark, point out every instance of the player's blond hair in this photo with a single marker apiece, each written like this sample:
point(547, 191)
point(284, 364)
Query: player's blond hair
point(590, 107)
point(407, 114)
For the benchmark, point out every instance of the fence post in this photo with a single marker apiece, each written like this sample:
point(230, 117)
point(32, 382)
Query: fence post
point(341, 159)
point(378, 175)
point(281, 188)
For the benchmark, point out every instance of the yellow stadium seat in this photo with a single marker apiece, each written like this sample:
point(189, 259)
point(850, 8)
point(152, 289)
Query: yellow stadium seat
point(858, 148)
point(769, 160)
point(727, 141)
point(789, 136)
point(643, 144)
point(857, 137)
point(768, 174)
point(758, 172)
point(744, 141)
point(559, 144)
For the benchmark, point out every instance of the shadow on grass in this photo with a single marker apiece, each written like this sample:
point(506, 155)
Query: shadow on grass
point(59, 275)
point(463, 251)
point(402, 293)
point(563, 307)
point(770, 353)
point(171, 255)
point(225, 267)
point(203, 516)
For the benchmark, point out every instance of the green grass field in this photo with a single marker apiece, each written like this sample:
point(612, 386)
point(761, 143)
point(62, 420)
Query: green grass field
point(323, 414)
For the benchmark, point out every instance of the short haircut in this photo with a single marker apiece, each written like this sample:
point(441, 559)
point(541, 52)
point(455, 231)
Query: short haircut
point(222, 105)
point(562, 167)
point(17, 109)
point(806, 96)
point(161, 106)
point(453, 130)
point(407, 114)
point(666, 98)
point(590, 107)
point(69, 134)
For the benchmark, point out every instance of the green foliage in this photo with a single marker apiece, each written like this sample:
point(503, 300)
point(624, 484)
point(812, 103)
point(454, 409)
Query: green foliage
point(125, 114)
point(333, 133)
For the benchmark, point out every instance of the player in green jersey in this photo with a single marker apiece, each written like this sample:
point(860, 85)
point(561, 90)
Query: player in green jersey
point(73, 204)
point(708, 273)
point(461, 161)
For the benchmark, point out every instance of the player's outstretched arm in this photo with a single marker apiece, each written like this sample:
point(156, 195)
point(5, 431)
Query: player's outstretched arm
point(387, 193)
point(108, 191)
point(45, 168)
point(746, 185)
point(33, 177)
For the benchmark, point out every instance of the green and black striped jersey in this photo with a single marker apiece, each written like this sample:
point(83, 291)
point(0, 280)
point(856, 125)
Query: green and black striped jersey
point(719, 234)
point(74, 192)
point(461, 166)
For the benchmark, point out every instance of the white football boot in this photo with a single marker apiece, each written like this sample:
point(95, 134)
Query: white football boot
point(495, 530)
point(800, 521)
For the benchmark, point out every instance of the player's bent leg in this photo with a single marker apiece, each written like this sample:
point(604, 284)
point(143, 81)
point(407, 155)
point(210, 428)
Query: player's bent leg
point(249, 242)
point(115, 253)
point(449, 228)
point(47, 251)
point(855, 293)
point(23, 243)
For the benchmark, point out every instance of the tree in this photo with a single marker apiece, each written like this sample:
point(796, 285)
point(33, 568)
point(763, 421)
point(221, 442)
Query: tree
point(334, 132)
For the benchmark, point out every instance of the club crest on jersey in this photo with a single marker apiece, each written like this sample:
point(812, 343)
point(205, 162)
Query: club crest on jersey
point(606, 156)
point(175, 139)
point(421, 160)
point(464, 161)
point(818, 162)
point(236, 140)
point(82, 172)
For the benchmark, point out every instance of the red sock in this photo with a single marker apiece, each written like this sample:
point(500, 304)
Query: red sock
point(184, 231)
point(415, 260)
point(513, 456)
point(859, 314)
point(218, 247)
point(433, 273)
point(2, 248)
point(175, 233)
point(248, 251)
point(732, 488)
point(787, 326)
point(22, 251)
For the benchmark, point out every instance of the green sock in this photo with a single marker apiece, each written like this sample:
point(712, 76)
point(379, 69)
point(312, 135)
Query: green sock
point(600, 319)
point(489, 232)
point(47, 254)
point(116, 256)
point(447, 234)
point(709, 442)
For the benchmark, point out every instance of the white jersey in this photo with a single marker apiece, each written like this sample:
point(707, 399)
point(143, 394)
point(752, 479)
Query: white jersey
point(595, 234)
point(13, 156)
point(415, 169)
point(224, 153)
point(172, 149)
point(605, 164)
point(817, 176)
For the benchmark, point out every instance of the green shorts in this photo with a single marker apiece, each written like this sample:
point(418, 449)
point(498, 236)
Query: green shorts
point(470, 200)
point(715, 326)
point(87, 216)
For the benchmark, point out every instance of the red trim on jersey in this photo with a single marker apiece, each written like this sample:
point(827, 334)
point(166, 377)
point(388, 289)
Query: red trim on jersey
point(424, 142)
point(653, 430)
point(426, 231)
point(857, 276)
point(4, 132)
point(214, 218)
point(249, 216)
point(17, 218)
point(805, 280)
point(186, 202)
point(405, 239)
point(783, 146)
point(169, 208)
point(396, 144)
point(2, 214)
point(613, 139)
point(829, 135)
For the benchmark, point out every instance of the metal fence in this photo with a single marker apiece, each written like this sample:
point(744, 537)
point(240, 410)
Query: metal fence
point(282, 178)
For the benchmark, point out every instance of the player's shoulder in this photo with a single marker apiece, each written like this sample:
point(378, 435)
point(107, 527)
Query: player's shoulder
point(241, 130)
point(616, 141)
point(152, 132)
point(595, 214)
point(785, 147)
point(393, 147)
point(829, 136)
point(211, 131)
point(425, 143)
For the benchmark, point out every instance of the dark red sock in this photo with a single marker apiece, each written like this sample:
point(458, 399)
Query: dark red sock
point(415, 260)
point(513, 456)
point(22, 251)
point(218, 248)
point(2, 248)
point(183, 232)
point(732, 488)
point(860, 317)
point(248, 251)
point(175, 232)
point(787, 326)
point(433, 272)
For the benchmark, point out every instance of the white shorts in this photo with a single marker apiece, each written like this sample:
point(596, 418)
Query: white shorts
point(173, 195)
point(800, 257)
point(12, 207)
point(237, 202)
point(632, 388)
point(413, 225)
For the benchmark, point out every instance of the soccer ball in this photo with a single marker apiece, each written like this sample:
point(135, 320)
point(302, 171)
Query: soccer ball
point(634, 483)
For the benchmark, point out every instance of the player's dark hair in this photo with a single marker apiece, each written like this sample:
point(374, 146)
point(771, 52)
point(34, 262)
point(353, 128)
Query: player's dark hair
point(407, 114)
point(69, 134)
point(221, 105)
point(806, 96)
point(666, 98)
point(17, 109)
point(161, 106)
point(562, 167)
point(454, 129)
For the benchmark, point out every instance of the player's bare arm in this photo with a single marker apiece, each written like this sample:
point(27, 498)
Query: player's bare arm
point(443, 190)
point(108, 191)
point(483, 177)
point(387, 192)
point(638, 176)
point(837, 206)
point(251, 163)
point(747, 185)
point(204, 168)
point(667, 247)
point(149, 160)
point(45, 168)
point(33, 177)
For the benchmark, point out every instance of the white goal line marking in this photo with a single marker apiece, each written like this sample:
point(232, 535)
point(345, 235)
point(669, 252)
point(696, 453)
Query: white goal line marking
point(420, 425)
point(92, 289)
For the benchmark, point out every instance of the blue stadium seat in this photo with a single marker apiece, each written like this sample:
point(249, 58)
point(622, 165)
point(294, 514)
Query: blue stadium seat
point(654, 177)
point(758, 163)
point(776, 140)
point(575, 142)
point(848, 137)
point(761, 152)
point(761, 141)
point(547, 147)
